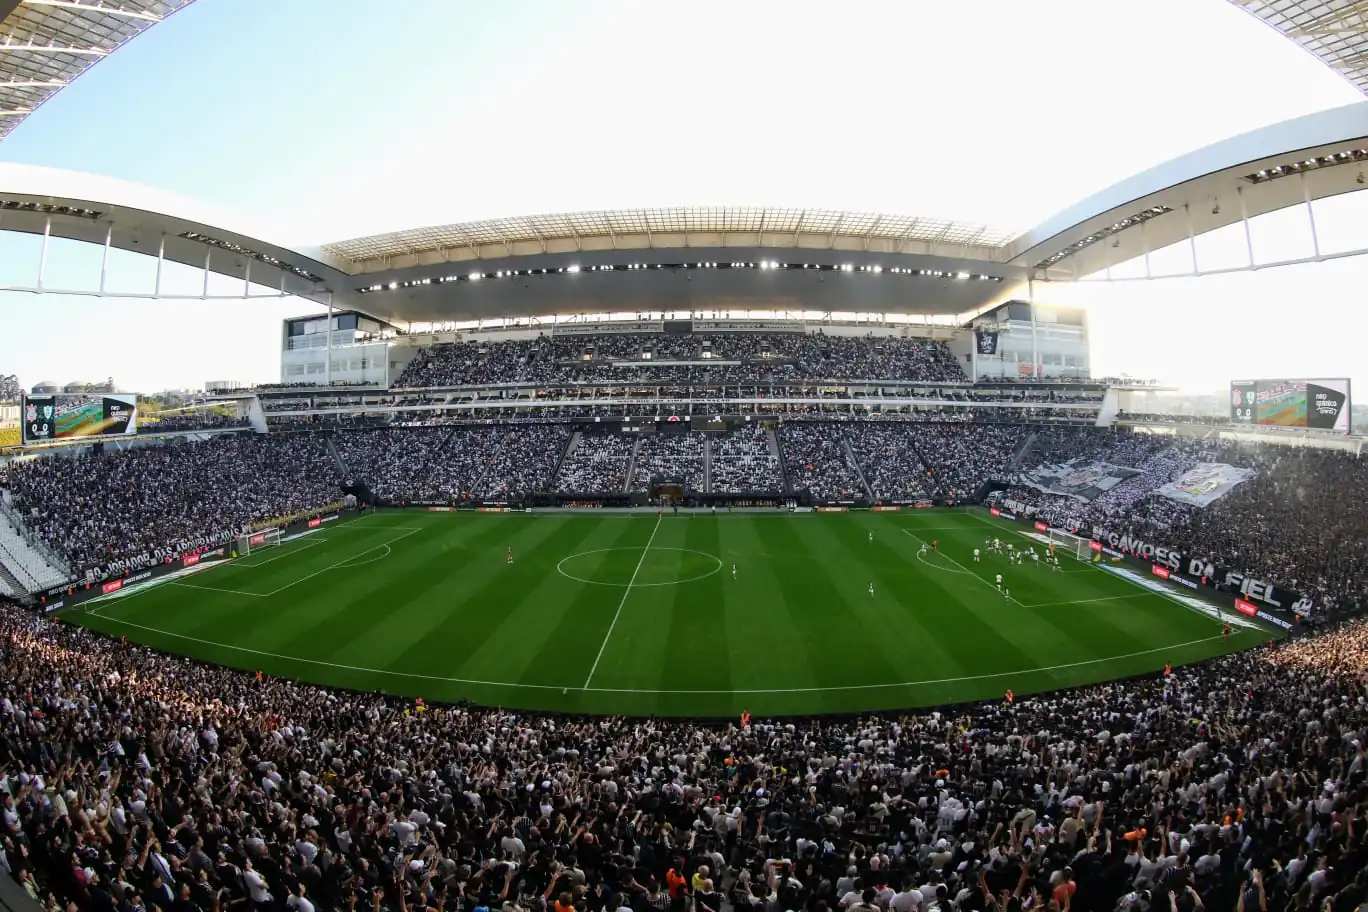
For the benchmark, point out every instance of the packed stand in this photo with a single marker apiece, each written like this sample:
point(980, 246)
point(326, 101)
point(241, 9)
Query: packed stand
point(676, 456)
point(395, 463)
point(963, 457)
point(598, 464)
point(522, 460)
point(888, 457)
point(10, 390)
point(742, 461)
point(818, 461)
point(1300, 521)
point(132, 508)
point(202, 421)
point(762, 357)
point(1235, 784)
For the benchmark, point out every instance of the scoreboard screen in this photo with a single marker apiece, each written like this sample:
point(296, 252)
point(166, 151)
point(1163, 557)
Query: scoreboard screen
point(1316, 404)
point(63, 416)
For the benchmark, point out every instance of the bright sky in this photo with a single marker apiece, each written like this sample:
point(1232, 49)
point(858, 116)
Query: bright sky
point(334, 118)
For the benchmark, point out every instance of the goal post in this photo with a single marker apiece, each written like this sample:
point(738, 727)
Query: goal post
point(267, 538)
point(1076, 545)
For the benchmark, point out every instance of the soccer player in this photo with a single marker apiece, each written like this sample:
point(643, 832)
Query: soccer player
point(1035, 557)
point(871, 536)
point(998, 580)
point(871, 590)
point(510, 555)
point(923, 549)
point(733, 569)
point(935, 544)
point(1006, 595)
point(1054, 564)
point(1225, 631)
point(976, 555)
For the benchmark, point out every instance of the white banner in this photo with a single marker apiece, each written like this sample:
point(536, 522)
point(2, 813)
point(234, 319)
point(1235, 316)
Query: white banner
point(1205, 484)
point(1080, 479)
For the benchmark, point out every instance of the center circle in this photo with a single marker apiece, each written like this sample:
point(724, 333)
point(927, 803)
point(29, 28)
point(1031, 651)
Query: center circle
point(684, 565)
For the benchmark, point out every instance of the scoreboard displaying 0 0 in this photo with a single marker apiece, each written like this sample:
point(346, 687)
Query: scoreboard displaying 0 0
point(1317, 404)
point(62, 416)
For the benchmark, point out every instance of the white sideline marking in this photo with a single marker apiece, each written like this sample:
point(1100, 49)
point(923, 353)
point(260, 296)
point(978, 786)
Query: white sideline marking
point(626, 592)
point(587, 689)
point(1088, 601)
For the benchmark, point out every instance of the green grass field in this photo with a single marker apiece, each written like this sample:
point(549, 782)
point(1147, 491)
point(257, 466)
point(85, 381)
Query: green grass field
point(640, 614)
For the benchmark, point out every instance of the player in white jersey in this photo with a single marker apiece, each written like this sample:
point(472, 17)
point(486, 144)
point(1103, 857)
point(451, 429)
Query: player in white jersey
point(976, 555)
point(733, 569)
point(871, 590)
point(871, 536)
point(923, 548)
point(1036, 558)
point(998, 580)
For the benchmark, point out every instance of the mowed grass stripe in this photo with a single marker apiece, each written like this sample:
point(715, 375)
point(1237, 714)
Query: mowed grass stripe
point(764, 646)
point(488, 609)
point(797, 633)
point(907, 616)
point(689, 648)
point(374, 625)
point(818, 595)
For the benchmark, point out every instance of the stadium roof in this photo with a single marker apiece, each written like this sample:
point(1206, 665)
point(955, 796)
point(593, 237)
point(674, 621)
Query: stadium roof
point(1336, 31)
point(45, 44)
point(711, 226)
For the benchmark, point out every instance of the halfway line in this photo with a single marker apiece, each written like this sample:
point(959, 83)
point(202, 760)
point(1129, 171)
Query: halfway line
point(626, 592)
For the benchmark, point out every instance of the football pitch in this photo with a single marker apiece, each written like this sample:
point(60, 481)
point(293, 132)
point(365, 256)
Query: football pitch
point(641, 613)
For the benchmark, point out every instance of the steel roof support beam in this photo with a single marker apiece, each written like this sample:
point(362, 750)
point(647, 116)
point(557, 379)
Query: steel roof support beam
point(96, 8)
point(16, 112)
point(1310, 217)
point(32, 84)
point(53, 49)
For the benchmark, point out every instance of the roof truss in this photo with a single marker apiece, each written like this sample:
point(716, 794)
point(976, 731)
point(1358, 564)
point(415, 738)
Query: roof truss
point(45, 44)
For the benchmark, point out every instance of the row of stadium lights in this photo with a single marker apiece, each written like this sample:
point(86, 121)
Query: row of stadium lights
point(763, 264)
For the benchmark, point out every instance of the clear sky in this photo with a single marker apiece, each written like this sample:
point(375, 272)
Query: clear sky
point(334, 118)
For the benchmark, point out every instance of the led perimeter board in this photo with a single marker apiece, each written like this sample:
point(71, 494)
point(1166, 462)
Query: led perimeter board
point(1316, 404)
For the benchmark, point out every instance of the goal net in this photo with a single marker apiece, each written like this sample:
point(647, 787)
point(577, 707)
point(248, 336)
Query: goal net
point(246, 544)
point(1068, 543)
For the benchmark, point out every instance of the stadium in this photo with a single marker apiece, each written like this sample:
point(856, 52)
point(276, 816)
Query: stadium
point(703, 557)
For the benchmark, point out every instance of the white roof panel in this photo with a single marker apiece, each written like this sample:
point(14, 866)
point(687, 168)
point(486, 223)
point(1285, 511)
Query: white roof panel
point(505, 232)
point(45, 44)
point(1336, 31)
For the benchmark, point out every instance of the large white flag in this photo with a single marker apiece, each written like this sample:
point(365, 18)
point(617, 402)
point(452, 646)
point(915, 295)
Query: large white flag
point(1205, 483)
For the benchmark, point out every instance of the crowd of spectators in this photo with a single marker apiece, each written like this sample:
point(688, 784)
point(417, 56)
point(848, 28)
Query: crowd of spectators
point(675, 456)
point(887, 454)
point(819, 462)
point(196, 421)
point(442, 465)
point(10, 390)
point(743, 461)
point(715, 358)
point(137, 781)
point(132, 507)
point(1298, 521)
point(963, 457)
point(598, 464)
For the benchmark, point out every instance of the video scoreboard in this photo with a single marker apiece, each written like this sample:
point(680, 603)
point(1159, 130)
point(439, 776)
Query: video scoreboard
point(63, 416)
point(1316, 404)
